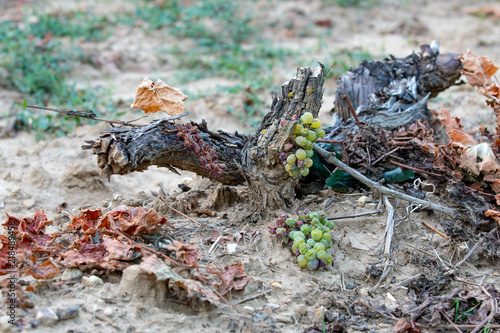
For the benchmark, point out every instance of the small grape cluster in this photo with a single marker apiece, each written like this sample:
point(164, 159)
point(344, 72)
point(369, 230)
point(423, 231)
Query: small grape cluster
point(307, 131)
point(208, 156)
point(308, 234)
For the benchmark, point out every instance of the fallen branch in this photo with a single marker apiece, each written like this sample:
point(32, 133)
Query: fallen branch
point(330, 158)
point(353, 215)
point(389, 229)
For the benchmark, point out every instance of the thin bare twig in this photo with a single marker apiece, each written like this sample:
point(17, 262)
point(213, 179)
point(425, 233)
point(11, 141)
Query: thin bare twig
point(451, 322)
point(330, 158)
point(435, 230)
point(88, 114)
point(389, 229)
point(181, 213)
point(351, 108)
point(415, 169)
point(353, 215)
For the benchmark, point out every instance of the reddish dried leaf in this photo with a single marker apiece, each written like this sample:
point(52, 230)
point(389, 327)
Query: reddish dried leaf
point(186, 253)
point(406, 326)
point(494, 214)
point(158, 96)
point(133, 220)
point(45, 270)
point(233, 277)
point(116, 249)
point(87, 221)
point(30, 230)
point(5, 267)
point(478, 70)
point(454, 129)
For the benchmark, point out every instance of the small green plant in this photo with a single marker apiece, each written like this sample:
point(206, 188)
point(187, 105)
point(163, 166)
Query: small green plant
point(37, 64)
point(464, 309)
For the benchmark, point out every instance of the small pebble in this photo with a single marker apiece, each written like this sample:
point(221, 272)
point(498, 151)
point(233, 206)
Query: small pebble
point(249, 309)
point(46, 316)
point(28, 203)
point(71, 273)
point(299, 309)
point(231, 248)
point(363, 199)
point(92, 281)
point(108, 312)
point(187, 180)
point(69, 312)
point(276, 284)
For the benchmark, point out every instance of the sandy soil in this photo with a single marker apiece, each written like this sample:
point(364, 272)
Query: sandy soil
point(56, 173)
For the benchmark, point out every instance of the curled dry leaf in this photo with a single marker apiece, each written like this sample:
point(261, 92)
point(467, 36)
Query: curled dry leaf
point(477, 69)
point(45, 270)
point(408, 326)
point(30, 230)
point(494, 214)
point(186, 253)
point(153, 265)
point(158, 96)
point(233, 277)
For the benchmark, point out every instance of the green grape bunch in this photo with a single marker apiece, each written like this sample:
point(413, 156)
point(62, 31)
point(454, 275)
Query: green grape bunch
point(297, 156)
point(308, 235)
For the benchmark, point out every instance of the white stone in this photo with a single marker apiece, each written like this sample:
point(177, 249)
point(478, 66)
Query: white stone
point(28, 203)
point(187, 180)
point(363, 199)
point(231, 248)
point(92, 281)
point(249, 309)
point(46, 316)
point(108, 312)
point(276, 284)
point(71, 273)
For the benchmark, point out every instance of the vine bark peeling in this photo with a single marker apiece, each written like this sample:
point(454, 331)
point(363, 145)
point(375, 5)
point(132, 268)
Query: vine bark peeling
point(253, 159)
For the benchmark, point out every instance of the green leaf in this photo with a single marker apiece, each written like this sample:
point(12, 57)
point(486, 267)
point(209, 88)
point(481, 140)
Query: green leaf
point(397, 175)
point(340, 181)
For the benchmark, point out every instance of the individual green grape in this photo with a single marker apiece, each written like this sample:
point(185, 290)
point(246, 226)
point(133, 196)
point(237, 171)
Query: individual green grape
point(297, 242)
point(301, 141)
point(321, 214)
point(326, 236)
point(306, 229)
point(311, 136)
point(290, 222)
point(321, 254)
point(327, 243)
point(313, 264)
point(311, 242)
point(319, 247)
point(309, 153)
point(315, 220)
point(307, 118)
point(301, 259)
point(290, 234)
point(312, 215)
point(291, 159)
point(311, 254)
point(300, 154)
point(316, 123)
point(308, 162)
point(303, 248)
point(330, 224)
point(316, 234)
point(294, 172)
point(288, 168)
point(298, 234)
point(320, 132)
point(328, 260)
point(308, 145)
point(298, 129)
point(304, 132)
point(304, 171)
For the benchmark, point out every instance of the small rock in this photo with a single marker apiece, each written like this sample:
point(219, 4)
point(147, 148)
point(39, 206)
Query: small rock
point(286, 317)
point(69, 312)
point(47, 317)
point(92, 281)
point(363, 199)
point(231, 248)
point(108, 312)
point(249, 309)
point(299, 309)
point(28, 203)
point(71, 273)
point(276, 284)
point(267, 311)
point(187, 180)
point(273, 306)
point(143, 287)
point(358, 245)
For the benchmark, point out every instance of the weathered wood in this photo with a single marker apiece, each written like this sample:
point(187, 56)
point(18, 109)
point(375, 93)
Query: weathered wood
point(124, 150)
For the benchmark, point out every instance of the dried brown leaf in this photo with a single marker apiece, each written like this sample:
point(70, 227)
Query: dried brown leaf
point(454, 129)
point(477, 69)
point(158, 96)
point(233, 277)
point(186, 253)
point(494, 214)
point(45, 270)
point(153, 265)
point(487, 10)
point(406, 326)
